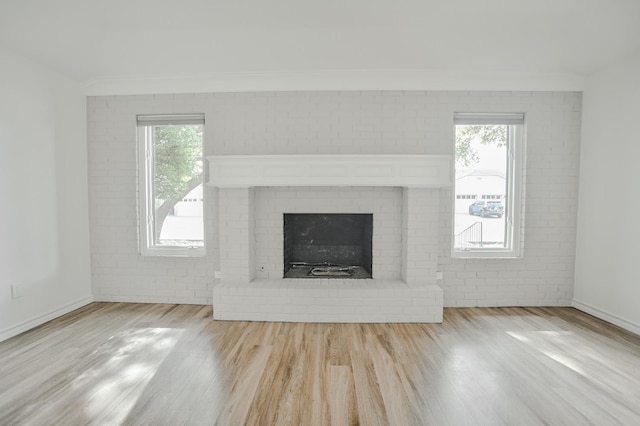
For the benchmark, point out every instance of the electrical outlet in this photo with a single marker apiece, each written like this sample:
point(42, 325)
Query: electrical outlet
point(216, 274)
point(16, 291)
point(438, 275)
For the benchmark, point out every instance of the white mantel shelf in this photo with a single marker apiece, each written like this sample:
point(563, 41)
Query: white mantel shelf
point(413, 171)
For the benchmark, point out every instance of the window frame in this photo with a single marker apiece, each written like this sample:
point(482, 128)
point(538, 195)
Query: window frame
point(514, 226)
point(146, 217)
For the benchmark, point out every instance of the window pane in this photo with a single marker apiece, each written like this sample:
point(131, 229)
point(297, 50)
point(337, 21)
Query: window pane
point(481, 187)
point(177, 186)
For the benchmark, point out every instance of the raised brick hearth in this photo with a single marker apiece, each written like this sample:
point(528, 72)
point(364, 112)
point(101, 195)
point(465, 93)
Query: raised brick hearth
point(328, 300)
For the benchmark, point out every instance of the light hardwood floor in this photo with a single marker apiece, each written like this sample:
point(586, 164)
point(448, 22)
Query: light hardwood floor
point(114, 363)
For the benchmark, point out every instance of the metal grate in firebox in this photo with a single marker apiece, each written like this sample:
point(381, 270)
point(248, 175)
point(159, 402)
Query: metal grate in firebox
point(326, 270)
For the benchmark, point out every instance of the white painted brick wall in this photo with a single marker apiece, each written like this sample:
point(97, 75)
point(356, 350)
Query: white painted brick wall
point(119, 273)
point(372, 122)
point(236, 234)
point(420, 235)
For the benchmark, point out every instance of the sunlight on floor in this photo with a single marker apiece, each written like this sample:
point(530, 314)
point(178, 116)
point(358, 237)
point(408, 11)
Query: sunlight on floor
point(133, 357)
point(551, 344)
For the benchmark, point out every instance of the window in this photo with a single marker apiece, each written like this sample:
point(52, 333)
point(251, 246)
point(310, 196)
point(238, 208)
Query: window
point(488, 164)
point(170, 177)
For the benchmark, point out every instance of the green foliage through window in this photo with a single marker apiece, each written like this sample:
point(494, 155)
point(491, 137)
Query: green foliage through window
point(466, 155)
point(177, 160)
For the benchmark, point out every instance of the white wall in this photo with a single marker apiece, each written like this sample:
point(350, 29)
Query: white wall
point(44, 237)
point(607, 274)
point(350, 122)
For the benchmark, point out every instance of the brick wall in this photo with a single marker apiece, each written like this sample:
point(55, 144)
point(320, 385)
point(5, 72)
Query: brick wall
point(372, 122)
point(420, 235)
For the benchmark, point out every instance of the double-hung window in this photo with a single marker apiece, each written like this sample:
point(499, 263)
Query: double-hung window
point(170, 184)
point(489, 150)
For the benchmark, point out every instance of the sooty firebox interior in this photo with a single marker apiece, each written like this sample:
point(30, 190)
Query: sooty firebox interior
point(327, 245)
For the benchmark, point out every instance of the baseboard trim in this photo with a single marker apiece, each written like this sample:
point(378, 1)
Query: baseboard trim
point(606, 316)
point(12, 331)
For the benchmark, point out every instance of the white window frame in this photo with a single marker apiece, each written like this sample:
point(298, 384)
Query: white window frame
point(514, 227)
point(147, 247)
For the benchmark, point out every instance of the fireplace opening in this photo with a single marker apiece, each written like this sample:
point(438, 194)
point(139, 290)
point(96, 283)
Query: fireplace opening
point(328, 245)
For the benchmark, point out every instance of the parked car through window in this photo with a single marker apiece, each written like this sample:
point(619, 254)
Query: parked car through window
point(487, 208)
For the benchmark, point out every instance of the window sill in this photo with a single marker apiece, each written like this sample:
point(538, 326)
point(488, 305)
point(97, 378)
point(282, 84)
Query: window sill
point(486, 254)
point(173, 252)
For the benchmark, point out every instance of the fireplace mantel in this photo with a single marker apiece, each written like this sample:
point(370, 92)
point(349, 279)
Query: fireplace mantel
point(411, 171)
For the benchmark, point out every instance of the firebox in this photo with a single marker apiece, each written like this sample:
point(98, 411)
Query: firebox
point(328, 245)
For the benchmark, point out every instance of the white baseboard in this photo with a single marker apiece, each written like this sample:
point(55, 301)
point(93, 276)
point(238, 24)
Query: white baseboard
point(606, 316)
point(41, 319)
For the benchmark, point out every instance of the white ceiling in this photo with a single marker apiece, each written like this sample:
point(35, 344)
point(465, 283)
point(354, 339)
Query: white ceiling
point(107, 41)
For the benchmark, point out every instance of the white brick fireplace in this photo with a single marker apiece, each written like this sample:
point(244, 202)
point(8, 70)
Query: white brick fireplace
point(400, 191)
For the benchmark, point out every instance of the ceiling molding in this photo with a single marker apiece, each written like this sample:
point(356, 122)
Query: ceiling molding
point(335, 80)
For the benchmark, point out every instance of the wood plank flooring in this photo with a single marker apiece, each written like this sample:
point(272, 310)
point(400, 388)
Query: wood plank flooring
point(144, 364)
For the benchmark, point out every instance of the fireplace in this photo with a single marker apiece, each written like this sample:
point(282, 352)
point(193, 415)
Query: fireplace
point(394, 199)
point(327, 245)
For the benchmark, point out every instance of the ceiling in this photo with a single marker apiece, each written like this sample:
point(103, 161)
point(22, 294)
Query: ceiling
point(115, 40)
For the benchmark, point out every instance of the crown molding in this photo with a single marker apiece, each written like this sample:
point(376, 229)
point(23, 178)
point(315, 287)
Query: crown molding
point(334, 80)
